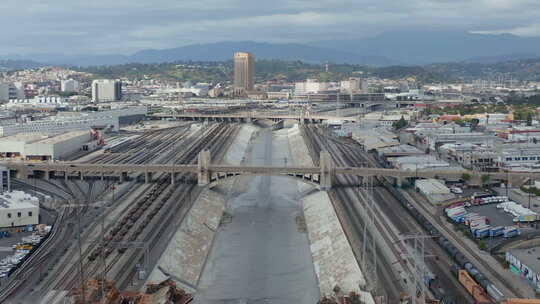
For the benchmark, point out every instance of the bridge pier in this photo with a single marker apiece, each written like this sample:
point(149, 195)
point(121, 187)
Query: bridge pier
point(173, 177)
point(327, 171)
point(81, 175)
point(147, 177)
point(399, 182)
point(203, 171)
point(22, 173)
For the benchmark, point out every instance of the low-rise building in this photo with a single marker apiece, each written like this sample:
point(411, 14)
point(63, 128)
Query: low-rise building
point(526, 264)
point(18, 208)
point(516, 157)
point(371, 139)
point(42, 147)
point(61, 125)
point(434, 190)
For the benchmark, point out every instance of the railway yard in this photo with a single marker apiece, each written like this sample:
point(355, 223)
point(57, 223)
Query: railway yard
point(112, 233)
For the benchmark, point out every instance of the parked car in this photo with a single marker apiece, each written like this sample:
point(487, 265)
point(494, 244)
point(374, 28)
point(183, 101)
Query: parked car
point(456, 190)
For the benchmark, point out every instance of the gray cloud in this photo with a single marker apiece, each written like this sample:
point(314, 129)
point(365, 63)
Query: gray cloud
point(104, 26)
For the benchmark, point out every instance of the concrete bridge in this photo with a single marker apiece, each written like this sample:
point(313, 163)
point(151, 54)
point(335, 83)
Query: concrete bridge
point(209, 174)
point(250, 117)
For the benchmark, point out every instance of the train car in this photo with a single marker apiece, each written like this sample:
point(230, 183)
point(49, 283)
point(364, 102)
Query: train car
point(474, 289)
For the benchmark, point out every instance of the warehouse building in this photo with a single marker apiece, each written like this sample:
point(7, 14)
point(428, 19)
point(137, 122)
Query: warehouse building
point(376, 138)
point(434, 190)
point(125, 115)
point(526, 264)
point(18, 208)
point(61, 124)
point(40, 146)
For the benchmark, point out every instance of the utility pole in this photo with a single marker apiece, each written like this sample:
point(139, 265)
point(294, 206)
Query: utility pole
point(419, 267)
point(83, 291)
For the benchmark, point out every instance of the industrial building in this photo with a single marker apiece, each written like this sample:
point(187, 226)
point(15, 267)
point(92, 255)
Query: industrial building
point(18, 208)
point(60, 125)
point(434, 190)
point(104, 90)
point(39, 146)
point(419, 162)
point(244, 72)
point(526, 264)
point(377, 138)
point(515, 157)
point(124, 115)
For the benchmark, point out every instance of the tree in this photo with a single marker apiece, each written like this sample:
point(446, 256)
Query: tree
point(401, 123)
point(482, 245)
point(485, 179)
point(529, 119)
point(466, 177)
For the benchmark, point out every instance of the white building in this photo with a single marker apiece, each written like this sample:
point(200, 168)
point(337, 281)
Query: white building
point(69, 85)
point(433, 189)
point(353, 85)
point(106, 90)
point(310, 86)
point(18, 208)
point(62, 125)
point(39, 146)
point(516, 157)
point(49, 102)
point(199, 90)
point(10, 91)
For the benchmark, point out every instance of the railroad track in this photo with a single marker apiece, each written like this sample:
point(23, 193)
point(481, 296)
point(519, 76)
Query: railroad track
point(351, 154)
point(439, 267)
point(352, 220)
point(146, 211)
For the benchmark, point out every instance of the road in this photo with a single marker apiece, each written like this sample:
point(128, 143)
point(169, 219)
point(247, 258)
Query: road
point(261, 256)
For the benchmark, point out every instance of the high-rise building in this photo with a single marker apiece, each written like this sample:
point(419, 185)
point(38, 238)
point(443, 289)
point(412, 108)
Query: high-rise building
point(9, 91)
point(244, 72)
point(106, 90)
point(69, 85)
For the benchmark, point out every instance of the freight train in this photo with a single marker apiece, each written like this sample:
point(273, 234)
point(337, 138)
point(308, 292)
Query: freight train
point(461, 262)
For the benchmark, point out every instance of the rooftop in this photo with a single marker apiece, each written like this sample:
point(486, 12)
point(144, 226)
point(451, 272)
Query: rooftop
point(529, 257)
point(18, 199)
point(43, 138)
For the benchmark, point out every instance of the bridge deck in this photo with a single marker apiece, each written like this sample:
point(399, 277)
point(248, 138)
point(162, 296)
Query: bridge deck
point(261, 170)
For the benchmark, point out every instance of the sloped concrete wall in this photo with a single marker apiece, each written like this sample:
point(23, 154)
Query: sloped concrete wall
point(186, 254)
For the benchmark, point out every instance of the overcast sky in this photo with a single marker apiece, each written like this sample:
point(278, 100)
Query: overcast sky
point(125, 26)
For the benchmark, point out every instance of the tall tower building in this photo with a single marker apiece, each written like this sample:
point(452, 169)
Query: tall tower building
point(106, 90)
point(244, 72)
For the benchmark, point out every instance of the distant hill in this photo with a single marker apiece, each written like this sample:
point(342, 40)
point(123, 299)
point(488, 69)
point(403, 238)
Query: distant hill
point(523, 69)
point(220, 51)
point(8, 65)
point(419, 47)
point(224, 50)
point(405, 47)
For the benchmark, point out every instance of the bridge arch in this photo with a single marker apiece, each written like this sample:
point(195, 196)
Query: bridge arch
point(310, 179)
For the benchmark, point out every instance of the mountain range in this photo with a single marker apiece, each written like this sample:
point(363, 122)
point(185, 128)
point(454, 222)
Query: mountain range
point(411, 47)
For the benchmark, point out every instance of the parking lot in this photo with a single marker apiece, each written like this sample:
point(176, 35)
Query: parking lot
point(497, 217)
point(6, 244)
